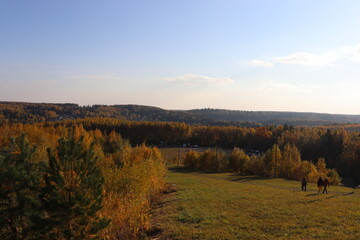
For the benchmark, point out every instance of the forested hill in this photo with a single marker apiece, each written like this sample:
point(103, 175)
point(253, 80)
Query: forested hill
point(40, 112)
point(272, 117)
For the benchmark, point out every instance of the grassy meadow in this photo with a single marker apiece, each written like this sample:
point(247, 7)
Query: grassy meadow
point(227, 206)
point(177, 155)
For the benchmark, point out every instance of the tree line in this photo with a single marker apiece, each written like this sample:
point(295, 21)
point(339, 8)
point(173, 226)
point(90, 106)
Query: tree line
point(339, 147)
point(276, 162)
point(40, 112)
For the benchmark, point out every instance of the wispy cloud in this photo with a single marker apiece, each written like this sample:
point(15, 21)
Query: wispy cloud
point(330, 58)
point(308, 59)
point(259, 63)
point(198, 79)
point(355, 53)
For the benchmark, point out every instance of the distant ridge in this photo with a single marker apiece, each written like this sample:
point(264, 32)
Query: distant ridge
point(40, 112)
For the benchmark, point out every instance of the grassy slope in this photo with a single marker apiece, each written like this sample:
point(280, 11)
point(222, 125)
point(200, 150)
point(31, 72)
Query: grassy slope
point(225, 206)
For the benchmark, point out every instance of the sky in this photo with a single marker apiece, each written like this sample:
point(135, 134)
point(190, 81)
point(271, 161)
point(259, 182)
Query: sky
point(258, 55)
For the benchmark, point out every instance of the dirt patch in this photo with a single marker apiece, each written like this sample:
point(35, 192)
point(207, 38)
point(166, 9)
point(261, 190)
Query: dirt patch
point(153, 232)
point(160, 210)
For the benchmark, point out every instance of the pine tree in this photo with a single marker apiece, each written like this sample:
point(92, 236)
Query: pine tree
point(72, 195)
point(19, 188)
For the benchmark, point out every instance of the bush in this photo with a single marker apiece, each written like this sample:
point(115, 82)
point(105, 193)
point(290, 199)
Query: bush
point(306, 169)
point(191, 160)
point(334, 177)
point(131, 189)
point(255, 166)
point(238, 160)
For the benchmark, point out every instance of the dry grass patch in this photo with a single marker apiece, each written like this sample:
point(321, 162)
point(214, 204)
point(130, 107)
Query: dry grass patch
point(226, 206)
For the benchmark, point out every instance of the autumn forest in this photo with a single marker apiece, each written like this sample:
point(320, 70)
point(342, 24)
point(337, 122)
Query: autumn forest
point(99, 177)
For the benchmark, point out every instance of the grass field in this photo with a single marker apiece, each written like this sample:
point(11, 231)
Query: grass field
point(226, 206)
point(177, 155)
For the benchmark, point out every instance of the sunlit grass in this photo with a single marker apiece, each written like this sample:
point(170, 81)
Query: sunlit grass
point(226, 206)
point(177, 155)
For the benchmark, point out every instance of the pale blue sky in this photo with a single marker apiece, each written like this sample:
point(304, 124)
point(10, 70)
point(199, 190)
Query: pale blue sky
point(289, 55)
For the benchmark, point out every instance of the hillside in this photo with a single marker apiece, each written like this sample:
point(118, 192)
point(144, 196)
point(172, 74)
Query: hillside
point(272, 117)
point(226, 206)
point(40, 112)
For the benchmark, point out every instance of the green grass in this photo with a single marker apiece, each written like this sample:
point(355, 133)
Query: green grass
point(172, 154)
point(226, 206)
